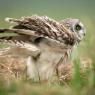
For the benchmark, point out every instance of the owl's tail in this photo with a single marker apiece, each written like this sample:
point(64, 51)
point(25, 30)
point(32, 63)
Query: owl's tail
point(18, 31)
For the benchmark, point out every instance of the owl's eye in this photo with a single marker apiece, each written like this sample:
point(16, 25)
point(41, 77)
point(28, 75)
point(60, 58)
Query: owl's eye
point(78, 27)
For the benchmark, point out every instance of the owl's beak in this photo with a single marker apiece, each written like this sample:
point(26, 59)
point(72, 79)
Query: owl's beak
point(84, 34)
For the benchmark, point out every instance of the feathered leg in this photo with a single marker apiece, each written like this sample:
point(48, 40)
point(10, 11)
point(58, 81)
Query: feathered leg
point(32, 70)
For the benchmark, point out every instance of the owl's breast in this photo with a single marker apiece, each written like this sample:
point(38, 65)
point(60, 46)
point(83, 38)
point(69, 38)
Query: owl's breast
point(52, 51)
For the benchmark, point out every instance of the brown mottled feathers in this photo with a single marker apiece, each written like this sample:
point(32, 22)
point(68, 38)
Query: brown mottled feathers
point(43, 26)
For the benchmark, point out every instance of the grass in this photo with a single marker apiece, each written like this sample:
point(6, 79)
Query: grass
point(81, 81)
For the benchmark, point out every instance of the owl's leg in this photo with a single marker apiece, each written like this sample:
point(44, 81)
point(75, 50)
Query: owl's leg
point(63, 60)
point(32, 71)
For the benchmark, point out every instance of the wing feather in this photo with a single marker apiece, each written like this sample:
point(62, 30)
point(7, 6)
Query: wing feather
point(41, 26)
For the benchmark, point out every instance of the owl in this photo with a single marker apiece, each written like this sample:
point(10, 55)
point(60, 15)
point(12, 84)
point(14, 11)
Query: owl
point(44, 42)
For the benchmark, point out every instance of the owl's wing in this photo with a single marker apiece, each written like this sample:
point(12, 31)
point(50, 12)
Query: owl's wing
point(41, 26)
point(17, 47)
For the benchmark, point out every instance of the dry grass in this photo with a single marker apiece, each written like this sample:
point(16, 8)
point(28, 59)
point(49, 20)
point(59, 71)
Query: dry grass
point(72, 79)
point(11, 68)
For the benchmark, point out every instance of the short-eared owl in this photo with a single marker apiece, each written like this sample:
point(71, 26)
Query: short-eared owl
point(46, 42)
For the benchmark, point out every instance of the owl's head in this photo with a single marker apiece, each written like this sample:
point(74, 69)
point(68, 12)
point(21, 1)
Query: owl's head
point(75, 26)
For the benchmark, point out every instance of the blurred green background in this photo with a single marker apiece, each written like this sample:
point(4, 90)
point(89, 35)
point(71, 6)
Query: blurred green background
point(56, 9)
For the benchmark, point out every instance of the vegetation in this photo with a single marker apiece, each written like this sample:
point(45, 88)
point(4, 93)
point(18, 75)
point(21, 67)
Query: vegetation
point(79, 79)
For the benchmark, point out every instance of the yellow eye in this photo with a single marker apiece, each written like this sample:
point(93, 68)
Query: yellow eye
point(77, 27)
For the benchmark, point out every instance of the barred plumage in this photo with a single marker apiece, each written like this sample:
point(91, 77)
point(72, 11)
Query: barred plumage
point(44, 27)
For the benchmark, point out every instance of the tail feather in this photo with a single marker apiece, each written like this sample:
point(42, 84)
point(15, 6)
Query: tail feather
point(19, 31)
point(12, 20)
